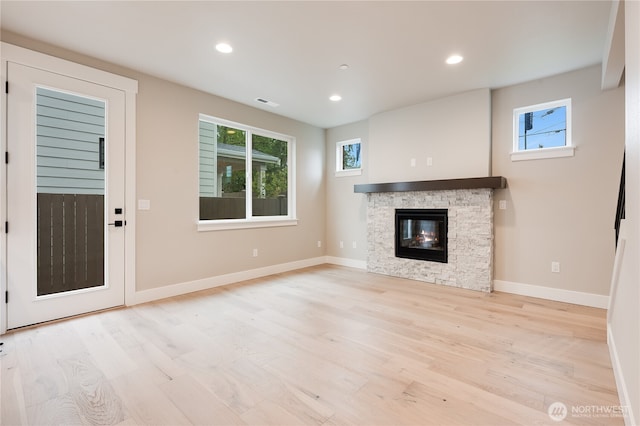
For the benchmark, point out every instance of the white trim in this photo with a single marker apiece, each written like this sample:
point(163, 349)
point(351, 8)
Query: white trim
point(535, 154)
point(223, 225)
point(220, 280)
point(340, 170)
point(254, 221)
point(550, 293)
point(539, 154)
point(56, 65)
point(130, 201)
point(343, 261)
point(621, 384)
point(352, 172)
point(617, 264)
point(20, 55)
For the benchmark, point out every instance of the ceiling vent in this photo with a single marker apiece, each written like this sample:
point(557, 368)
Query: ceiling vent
point(266, 102)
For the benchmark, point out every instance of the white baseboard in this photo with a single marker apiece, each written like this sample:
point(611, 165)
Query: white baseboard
point(549, 293)
point(343, 261)
point(220, 280)
point(620, 382)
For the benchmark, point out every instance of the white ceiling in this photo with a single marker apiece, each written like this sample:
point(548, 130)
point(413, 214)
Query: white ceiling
point(289, 52)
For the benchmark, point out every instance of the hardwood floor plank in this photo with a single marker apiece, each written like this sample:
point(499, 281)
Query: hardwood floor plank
point(324, 345)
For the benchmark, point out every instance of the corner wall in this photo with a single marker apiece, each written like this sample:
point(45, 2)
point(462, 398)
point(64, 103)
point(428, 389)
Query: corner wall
point(346, 211)
point(560, 209)
point(169, 250)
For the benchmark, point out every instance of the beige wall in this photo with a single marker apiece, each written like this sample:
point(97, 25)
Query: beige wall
point(169, 248)
point(560, 209)
point(346, 210)
point(454, 131)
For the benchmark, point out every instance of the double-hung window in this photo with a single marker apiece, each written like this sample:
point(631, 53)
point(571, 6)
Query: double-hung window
point(542, 131)
point(246, 176)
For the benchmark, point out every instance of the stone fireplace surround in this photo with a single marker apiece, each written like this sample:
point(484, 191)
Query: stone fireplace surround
point(470, 233)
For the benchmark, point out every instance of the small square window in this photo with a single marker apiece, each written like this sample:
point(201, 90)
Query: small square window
point(349, 157)
point(542, 131)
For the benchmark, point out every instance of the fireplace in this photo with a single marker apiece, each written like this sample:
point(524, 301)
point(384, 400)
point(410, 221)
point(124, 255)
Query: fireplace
point(421, 234)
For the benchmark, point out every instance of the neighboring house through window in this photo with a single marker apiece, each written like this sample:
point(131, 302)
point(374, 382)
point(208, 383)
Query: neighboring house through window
point(246, 176)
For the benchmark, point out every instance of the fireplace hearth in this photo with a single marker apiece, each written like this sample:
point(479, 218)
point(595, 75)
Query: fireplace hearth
point(421, 234)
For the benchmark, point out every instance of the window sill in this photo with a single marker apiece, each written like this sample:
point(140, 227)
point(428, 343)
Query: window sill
point(226, 224)
point(538, 154)
point(341, 173)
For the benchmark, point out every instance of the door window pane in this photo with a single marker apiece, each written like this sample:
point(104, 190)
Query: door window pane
point(70, 143)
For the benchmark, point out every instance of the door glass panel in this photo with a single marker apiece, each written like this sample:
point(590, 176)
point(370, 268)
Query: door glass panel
point(70, 141)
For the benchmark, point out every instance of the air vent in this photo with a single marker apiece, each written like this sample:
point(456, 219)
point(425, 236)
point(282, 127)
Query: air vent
point(267, 102)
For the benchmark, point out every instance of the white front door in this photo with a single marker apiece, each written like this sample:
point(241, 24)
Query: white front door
point(65, 196)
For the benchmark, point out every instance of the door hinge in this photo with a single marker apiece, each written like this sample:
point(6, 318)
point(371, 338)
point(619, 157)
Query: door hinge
point(6, 297)
point(6, 157)
point(6, 227)
point(6, 86)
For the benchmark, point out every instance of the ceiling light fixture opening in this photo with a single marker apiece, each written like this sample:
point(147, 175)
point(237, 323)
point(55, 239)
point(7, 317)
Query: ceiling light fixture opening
point(343, 67)
point(454, 59)
point(224, 48)
point(335, 98)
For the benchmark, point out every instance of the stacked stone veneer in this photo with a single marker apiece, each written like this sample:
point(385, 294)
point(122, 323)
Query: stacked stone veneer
point(470, 237)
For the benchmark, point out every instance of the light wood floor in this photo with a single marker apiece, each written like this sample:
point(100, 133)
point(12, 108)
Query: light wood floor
point(321, 346)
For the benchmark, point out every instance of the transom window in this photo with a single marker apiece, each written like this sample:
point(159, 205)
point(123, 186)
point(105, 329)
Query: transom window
point(245, 176)
point(542, 131)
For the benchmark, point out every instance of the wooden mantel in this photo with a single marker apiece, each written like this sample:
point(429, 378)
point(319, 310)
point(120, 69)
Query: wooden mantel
point(493, 182)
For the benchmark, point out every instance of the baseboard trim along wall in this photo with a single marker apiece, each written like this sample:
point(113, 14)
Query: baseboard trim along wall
point(568, 296)
point(620, 382)
point(549, 293)
point(220, 280)
point(343, 261)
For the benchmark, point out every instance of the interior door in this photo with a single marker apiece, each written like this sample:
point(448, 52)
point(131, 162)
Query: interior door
point(65, 196)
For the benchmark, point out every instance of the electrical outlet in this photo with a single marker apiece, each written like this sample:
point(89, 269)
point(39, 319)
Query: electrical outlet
point(341, 244)
point(354, 245)
point(555, 267)
point(255, 252)
point(502, 204)
point(429, 161)
point(319, 243)
point(413, 162)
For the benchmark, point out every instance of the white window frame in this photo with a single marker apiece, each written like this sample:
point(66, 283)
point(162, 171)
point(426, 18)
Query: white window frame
point(340, 170)
point(541, 153)
point(251, 221)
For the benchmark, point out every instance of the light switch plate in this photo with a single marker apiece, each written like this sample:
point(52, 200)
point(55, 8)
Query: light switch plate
point(144, 204)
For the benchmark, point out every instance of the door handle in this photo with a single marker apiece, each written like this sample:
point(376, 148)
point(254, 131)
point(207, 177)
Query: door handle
point(118, 223)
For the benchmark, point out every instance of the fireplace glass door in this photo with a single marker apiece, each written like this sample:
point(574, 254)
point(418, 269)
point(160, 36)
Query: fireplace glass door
point(421, 234)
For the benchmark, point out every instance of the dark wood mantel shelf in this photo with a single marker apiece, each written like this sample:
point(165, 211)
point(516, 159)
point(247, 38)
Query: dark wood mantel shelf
point(492, 182)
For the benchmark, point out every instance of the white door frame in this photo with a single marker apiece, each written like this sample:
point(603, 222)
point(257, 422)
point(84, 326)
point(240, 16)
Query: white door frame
point(12, 53)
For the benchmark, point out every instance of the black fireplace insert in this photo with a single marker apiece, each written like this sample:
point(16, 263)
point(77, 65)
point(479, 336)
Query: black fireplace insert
point(422, 234)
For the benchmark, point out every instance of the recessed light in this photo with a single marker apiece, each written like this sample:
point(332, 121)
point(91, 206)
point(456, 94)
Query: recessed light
point(454, 59)
point(224, 48)
point(343, 67)
point(335, 98)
